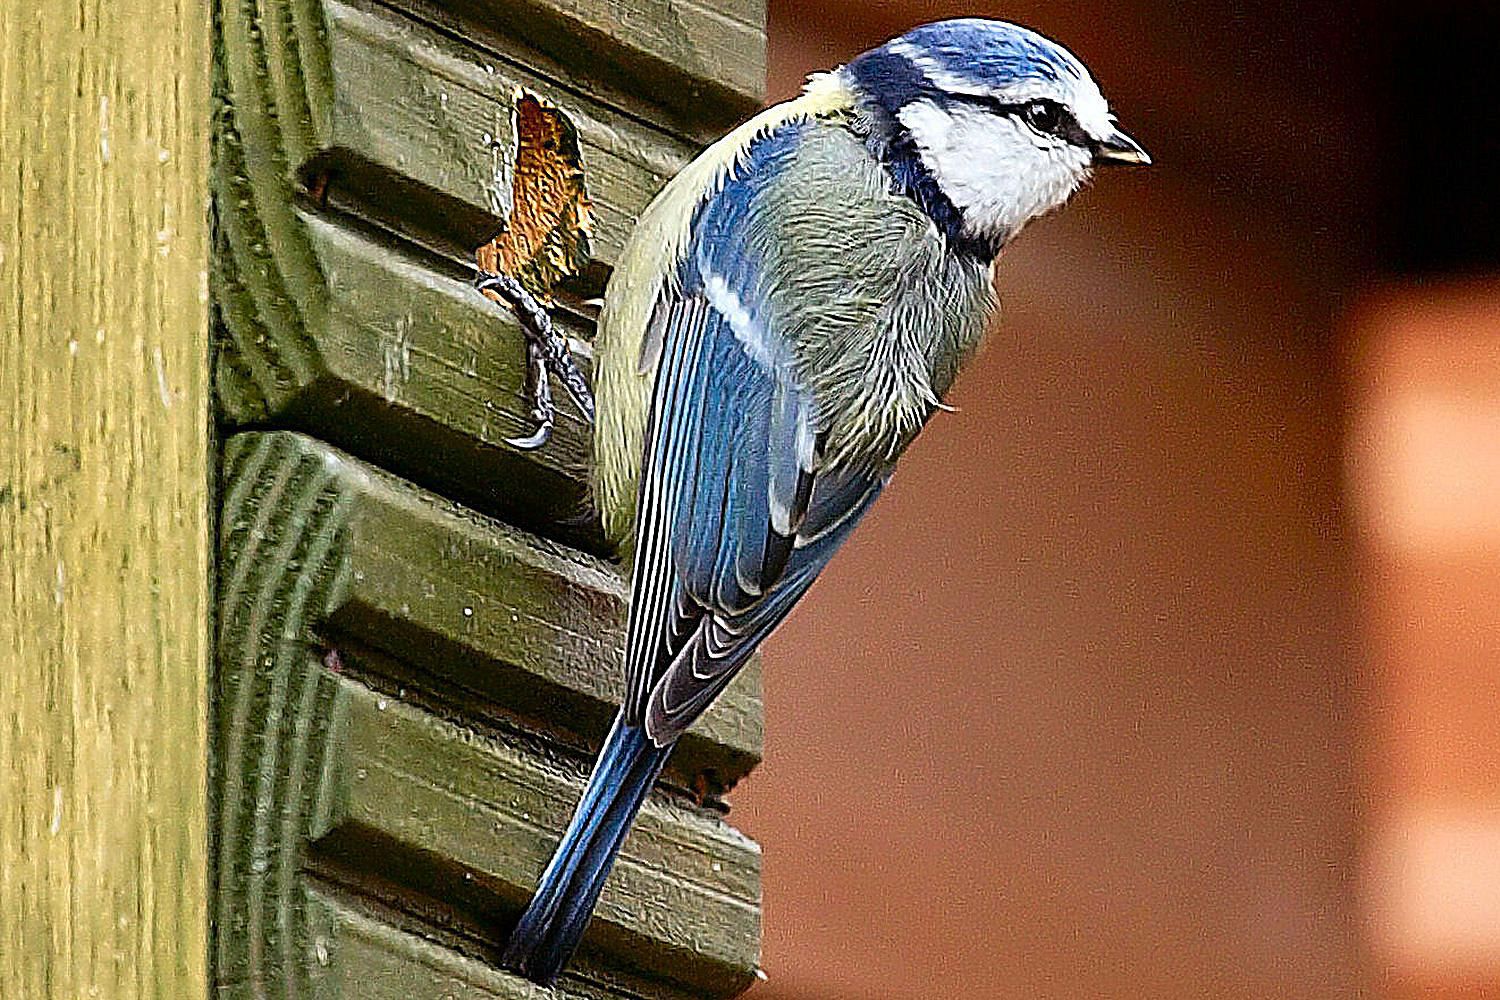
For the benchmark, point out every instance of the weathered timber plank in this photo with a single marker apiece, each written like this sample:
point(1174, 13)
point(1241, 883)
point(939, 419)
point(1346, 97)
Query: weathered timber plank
point(704, 61)
point(420, 106)
point(419, 799)
point(104, 500)
point(366, 957)
point(423, 376)
point(523, 623)
point(341, 334)
point(318, 552)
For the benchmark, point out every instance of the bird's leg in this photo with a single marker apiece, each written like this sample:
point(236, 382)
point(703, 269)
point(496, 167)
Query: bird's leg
point(547, 352)
point(539, 391)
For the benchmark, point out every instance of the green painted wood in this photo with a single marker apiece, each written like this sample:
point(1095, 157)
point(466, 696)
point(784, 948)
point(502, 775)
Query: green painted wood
point(704, 60)
point(473, 821)
point(416, 105)
point(405, 133)
point(409, 691)
point(501, 617)
point(358, 615)
point(363, 955)
point(422, 376)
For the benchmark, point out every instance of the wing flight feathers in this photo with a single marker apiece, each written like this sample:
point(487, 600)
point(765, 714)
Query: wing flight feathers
point(729, 488)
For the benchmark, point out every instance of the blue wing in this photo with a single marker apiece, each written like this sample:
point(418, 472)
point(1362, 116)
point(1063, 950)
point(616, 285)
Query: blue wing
point(736, 515)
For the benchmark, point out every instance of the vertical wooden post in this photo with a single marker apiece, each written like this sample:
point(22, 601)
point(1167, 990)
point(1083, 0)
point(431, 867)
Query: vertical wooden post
point(104, 498)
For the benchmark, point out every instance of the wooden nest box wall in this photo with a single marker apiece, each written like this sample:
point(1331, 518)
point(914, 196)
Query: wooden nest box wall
point(419, 629)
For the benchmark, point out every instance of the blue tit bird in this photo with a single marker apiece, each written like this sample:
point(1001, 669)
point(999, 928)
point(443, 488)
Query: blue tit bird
point(789, 312)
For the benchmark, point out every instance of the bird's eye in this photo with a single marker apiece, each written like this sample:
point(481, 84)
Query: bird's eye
point(1044, 116)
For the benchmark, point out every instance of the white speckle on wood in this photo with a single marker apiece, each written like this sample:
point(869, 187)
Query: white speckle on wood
point(162, 389)
point(104, 152)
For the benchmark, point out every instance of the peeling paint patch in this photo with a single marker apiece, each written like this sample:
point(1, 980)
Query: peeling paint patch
point(547, 236)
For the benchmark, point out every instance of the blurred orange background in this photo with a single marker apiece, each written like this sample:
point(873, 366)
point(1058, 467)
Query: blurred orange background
point(1170, 664)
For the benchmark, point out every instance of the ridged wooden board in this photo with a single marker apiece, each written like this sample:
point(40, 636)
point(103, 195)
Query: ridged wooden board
point(411, 369)
point(703, 60)
point(419, 107)
point(361, 155)
point(409, 691)
point(359, 616)
point(365, 956)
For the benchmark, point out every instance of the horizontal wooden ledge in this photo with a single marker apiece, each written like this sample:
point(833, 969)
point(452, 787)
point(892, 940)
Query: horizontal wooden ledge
point(409, 124)
point(335, 324)
point(472, 821)
point(423, 773)
point(364, 956)
point(429, 111)
point(410, 368)
point(700, 61)
point(528, 626)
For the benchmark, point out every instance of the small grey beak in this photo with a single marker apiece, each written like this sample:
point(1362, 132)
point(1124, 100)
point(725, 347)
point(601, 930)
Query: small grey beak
point(1118, 149)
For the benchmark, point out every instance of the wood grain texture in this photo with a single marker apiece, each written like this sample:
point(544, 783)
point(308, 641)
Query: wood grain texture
point(701, 61)
point(330, 569)
point(416, 371)
point(421, 133)
point(407, 135)
point(472, 822)
point(549, 217)
point(104, 499)
point(499, 616)
point(367, 957)
point(409, 691)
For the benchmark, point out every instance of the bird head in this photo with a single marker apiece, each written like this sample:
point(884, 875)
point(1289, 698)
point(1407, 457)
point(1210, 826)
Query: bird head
point(1001, 123)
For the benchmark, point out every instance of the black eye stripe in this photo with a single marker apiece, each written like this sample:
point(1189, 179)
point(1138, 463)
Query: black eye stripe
point(1056, 118)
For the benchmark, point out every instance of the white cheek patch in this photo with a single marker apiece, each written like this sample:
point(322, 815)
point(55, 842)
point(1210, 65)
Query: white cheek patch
point(996, 171)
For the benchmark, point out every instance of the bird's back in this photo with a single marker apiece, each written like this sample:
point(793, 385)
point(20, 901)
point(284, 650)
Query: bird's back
point(851, 273)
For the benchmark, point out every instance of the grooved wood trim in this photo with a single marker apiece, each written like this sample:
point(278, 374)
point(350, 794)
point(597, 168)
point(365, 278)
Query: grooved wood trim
point(104, 499)
point(409, 692)
point(701, 60)
point(330, 568)
point(361, 956)
point(361, 157)
point(489, 614)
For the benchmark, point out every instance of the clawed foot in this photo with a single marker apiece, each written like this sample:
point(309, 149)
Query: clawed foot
point(546, 351)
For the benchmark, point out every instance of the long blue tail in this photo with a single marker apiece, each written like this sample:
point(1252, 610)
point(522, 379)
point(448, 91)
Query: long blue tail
point(550, 928)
